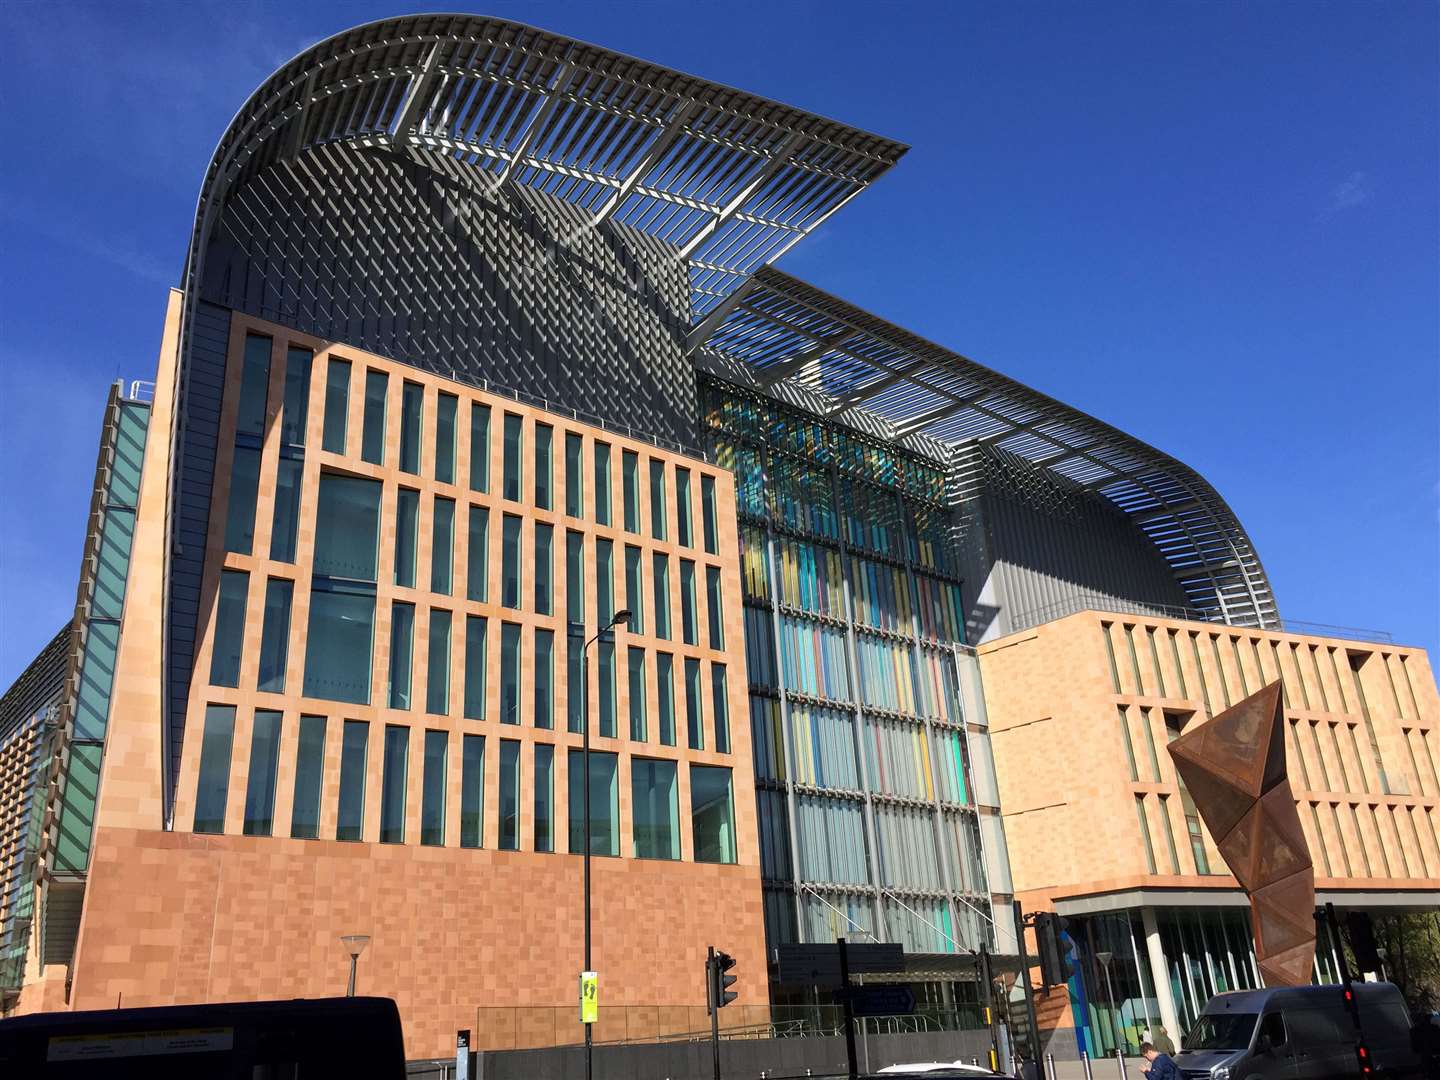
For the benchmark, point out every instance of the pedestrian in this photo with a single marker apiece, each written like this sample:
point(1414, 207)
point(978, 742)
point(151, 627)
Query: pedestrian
point(1161, 1066)
point(1162, 1040)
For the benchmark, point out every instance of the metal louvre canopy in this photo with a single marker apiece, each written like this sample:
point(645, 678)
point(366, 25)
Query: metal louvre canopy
point(729, 179)
point(788, 334)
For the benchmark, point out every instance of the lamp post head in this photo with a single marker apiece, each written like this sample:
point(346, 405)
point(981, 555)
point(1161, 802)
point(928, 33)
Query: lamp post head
point(1105, 957)
point(354, 943)
point(621, 617)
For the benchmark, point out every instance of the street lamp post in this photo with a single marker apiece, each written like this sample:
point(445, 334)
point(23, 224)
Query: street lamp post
point(1105, 958)
point(354, 945)
point(619, 619)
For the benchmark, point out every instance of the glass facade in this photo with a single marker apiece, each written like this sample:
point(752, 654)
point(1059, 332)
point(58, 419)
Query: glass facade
point(372, 426)
point(275, 635)
point(655, 809)
point(309, 772)
point(432, 796)
point(604, 803)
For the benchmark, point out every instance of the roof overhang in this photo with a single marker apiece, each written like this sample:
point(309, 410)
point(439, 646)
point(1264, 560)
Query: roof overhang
point(1129, 899)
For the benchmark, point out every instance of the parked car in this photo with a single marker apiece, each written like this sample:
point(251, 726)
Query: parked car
point(1300, 1033)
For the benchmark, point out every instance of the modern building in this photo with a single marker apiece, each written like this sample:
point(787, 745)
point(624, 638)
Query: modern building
point(477, 343)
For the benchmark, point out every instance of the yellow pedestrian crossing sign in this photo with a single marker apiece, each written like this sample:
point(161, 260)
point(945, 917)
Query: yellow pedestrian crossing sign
point(589, 996)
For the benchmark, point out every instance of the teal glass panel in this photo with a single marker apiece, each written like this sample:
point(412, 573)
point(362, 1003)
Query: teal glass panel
point(213, 786)
point(720, 708)
point(309, 772)
point(711, 521)
point(654, 809)
point(77, 808)
point(479, 447)
point(712, 814)
point(689, 627)
point(477, 556)
point(337, 406)
point(658, 517)
point(544, 797)
point(574, 683)
point(544, 470)
point(630, 487)
point(285, 523)
point(437, 677)
point(602, 483)
point(116, 537)
point(636, 665)
point(604, 803)
point(432, 792)
point(393, 776)
point(129, 455)
point(347, 527)
point(240, 513)
point(512, 469)
point(442, 546)
point(714, 608)
point(472, 791)
point(574, 478)
point(544, 678)
point(372, 427)
point(97, 678)
point(604, 581)
point(509, 795)
point(296, 406)
point(660, 578)
point(606, 660)
point(275, 635)
point(544, 568)
point(338, 645)
point(509, 673)
point(694, 714)
point(665, 696)
point(575, 578)
point(402, 653)
point(475, 628)
point(635, 589)
point(684, 530)
point(510, 561)
point(412, 407)
point(407, 536)
point(229, 628)
point(350, 816)
point(260, 783)
point(445, 408)
point(254, 387)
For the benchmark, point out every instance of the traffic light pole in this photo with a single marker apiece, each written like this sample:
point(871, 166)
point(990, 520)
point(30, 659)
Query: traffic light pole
point(987, 1002)
point(712, 997)
point(1352, 1005)
point(851, 1061)
point(1034, 1040)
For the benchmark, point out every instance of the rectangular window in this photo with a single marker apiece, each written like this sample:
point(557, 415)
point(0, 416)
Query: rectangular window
point(574, 679)
point(445, 438)
point(665, 696)
point(479, 447)
point(654, 809)
point(689, 622)
point(660, 575)
point(637, 693)
point(432, 793)
point(604, 581)
point(412, 405)
point(475, 667)
point(544, 797)
point(477, 556)
point(544, 678)
point(720, 708)
point(544, 568)
point(275, 635)
point(509, 795)
point(229, 628)
point(402, 653)
point(442, 546)
point(244, 486)
point(347, 527)
point(714, 609)
point(260, 785)
point(213, 786)
point(658, 516)
point(510, 562)
point(544, 469)
point(309, 772)
point(575, 577)
point(602, 483)
point(437, 676)
point(392, 784)
point(683, 528)
point(337, 406)
point(372, 428)
point(1169, 835)
point(338, 645)
point(350, 818)
point(634, 589)
point(711, 522)
point(472, 791)
point(285, 523)
point(296, 410)
point(1145, 834)
point(604, 803)
point(510, 467)
point(509, 673)
point(574, 483)
point(712, 814)
point(694, 717)
point(254, 387)
point(407, 525)
point(630, 483)
point(607, 688)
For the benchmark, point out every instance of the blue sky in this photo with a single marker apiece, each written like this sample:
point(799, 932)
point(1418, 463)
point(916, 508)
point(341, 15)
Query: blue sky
point(1211, 224)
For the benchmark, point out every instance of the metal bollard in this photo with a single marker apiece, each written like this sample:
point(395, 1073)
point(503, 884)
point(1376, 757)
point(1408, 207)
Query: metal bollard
point(1085, 1061)
point(1120, 1061)
point(1050, 1067)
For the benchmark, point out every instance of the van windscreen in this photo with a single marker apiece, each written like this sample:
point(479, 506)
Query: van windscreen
point(1221, 1031)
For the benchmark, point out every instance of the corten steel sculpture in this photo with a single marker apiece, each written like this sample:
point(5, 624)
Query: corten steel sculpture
point(1234, 768)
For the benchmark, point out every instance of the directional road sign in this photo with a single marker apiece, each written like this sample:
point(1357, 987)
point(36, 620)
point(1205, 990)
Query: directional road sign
point(819, 965)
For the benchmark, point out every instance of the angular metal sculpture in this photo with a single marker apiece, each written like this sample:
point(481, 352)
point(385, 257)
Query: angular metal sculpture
point(1234, 768)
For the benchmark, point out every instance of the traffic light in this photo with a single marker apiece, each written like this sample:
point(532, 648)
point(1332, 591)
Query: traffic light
point(1362, 941)
point(1053, 945)
point(718, 981)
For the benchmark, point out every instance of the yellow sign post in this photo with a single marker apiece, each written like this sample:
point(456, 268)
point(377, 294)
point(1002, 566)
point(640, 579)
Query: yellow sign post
point(589, 996)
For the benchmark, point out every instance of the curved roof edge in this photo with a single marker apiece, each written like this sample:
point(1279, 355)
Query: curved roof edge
point(790, 335)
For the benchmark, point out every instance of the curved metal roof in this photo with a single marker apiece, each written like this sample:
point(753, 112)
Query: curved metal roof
point(790, 334)
point(730, 179)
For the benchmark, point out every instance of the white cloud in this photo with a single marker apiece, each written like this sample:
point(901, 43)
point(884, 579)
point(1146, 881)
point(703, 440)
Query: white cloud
point(1355, 190)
